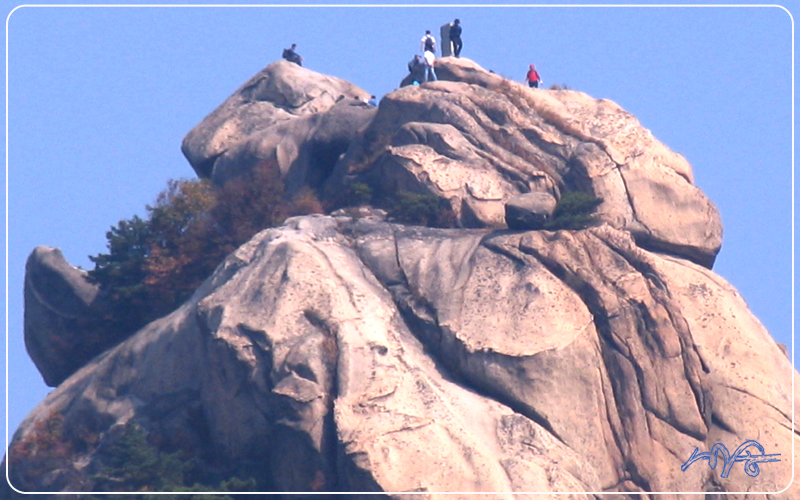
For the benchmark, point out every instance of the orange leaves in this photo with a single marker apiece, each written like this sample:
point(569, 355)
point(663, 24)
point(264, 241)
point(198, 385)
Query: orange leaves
point(153, 265)
point(250, 203)
point(42, 450)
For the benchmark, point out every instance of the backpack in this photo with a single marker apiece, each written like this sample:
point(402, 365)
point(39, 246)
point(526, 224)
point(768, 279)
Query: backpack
point(429, 43)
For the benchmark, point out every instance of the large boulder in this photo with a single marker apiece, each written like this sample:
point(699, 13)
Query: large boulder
point(59, 302)
point(457, 70)
point(530, 210)
point(479, 140)
point(285, 114)
point(357, 355)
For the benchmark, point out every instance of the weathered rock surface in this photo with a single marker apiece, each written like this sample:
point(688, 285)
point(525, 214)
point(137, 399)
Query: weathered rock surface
point(478, 140)
point(286, 114)
point(346, 353)
point(357, 355)
point(530, 210)
point(473, 138)
point(58, 306)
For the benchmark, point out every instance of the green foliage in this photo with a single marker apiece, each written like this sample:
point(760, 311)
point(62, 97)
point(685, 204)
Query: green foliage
point(135, 465)
point(421, 209)
point(122, 271)
point(360, 194)
point(154, 265)
point(403, 206)
point(574, 211)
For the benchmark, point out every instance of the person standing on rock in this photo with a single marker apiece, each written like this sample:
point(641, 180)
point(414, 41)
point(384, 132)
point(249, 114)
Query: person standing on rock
point(427, 60)
point(533, 77)
point(428, 43)
point(455, 37)
point(291, 55)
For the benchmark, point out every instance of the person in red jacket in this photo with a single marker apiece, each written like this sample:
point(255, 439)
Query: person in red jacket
point(532, 77)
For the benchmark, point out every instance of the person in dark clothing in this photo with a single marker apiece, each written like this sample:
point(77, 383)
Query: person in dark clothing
point(428, 43)
point(291, 55)
point(413, 65)
point(533, 77)
point(416, 68)
point(455, 37)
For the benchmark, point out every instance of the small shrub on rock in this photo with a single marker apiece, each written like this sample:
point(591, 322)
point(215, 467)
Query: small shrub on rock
point(421, 209)
point(574, 211)
point(41, 452)
point(248, 204)
point(133, 464)
point(304, 203)
point(360, 194)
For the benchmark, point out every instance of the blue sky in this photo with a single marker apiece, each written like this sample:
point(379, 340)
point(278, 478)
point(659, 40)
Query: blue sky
point(100, 98)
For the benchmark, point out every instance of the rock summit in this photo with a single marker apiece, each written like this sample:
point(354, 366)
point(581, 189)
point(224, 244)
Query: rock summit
point(350, 353)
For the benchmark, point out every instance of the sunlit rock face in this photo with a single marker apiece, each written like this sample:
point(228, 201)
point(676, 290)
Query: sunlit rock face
point(359, 355)
point(351, 353)
point(477, 140)
point(285, 114)
point(473, 138)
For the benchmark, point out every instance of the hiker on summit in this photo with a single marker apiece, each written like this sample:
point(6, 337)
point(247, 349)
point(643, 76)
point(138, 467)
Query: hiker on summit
point(455, 37)
point(428, 59)
point(428, 43)
point(416, 68)
point(413, 65)
point(291, 55)
point(533, 77)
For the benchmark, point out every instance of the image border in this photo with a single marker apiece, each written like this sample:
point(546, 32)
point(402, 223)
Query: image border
point(392, 6)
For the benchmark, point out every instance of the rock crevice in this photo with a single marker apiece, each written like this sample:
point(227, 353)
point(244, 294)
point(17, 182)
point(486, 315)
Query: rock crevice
point(349, 346)
point(347, 353)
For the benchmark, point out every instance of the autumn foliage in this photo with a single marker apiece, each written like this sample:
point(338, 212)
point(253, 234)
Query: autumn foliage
point(42, 450)
point(155, 264)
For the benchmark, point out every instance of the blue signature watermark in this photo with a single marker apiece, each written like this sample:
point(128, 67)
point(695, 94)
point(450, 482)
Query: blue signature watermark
point(742, 454)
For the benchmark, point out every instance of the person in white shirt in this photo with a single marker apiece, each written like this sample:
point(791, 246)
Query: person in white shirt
point(428, 43)
point(428, 59)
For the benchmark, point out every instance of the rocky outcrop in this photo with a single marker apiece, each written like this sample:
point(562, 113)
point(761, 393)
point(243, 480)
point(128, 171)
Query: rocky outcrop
point(59, 305)
point(479, 140)
point(348, 353)
point(357, 355)
point(286, 114)
point(473, 138)
point(530, 210)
